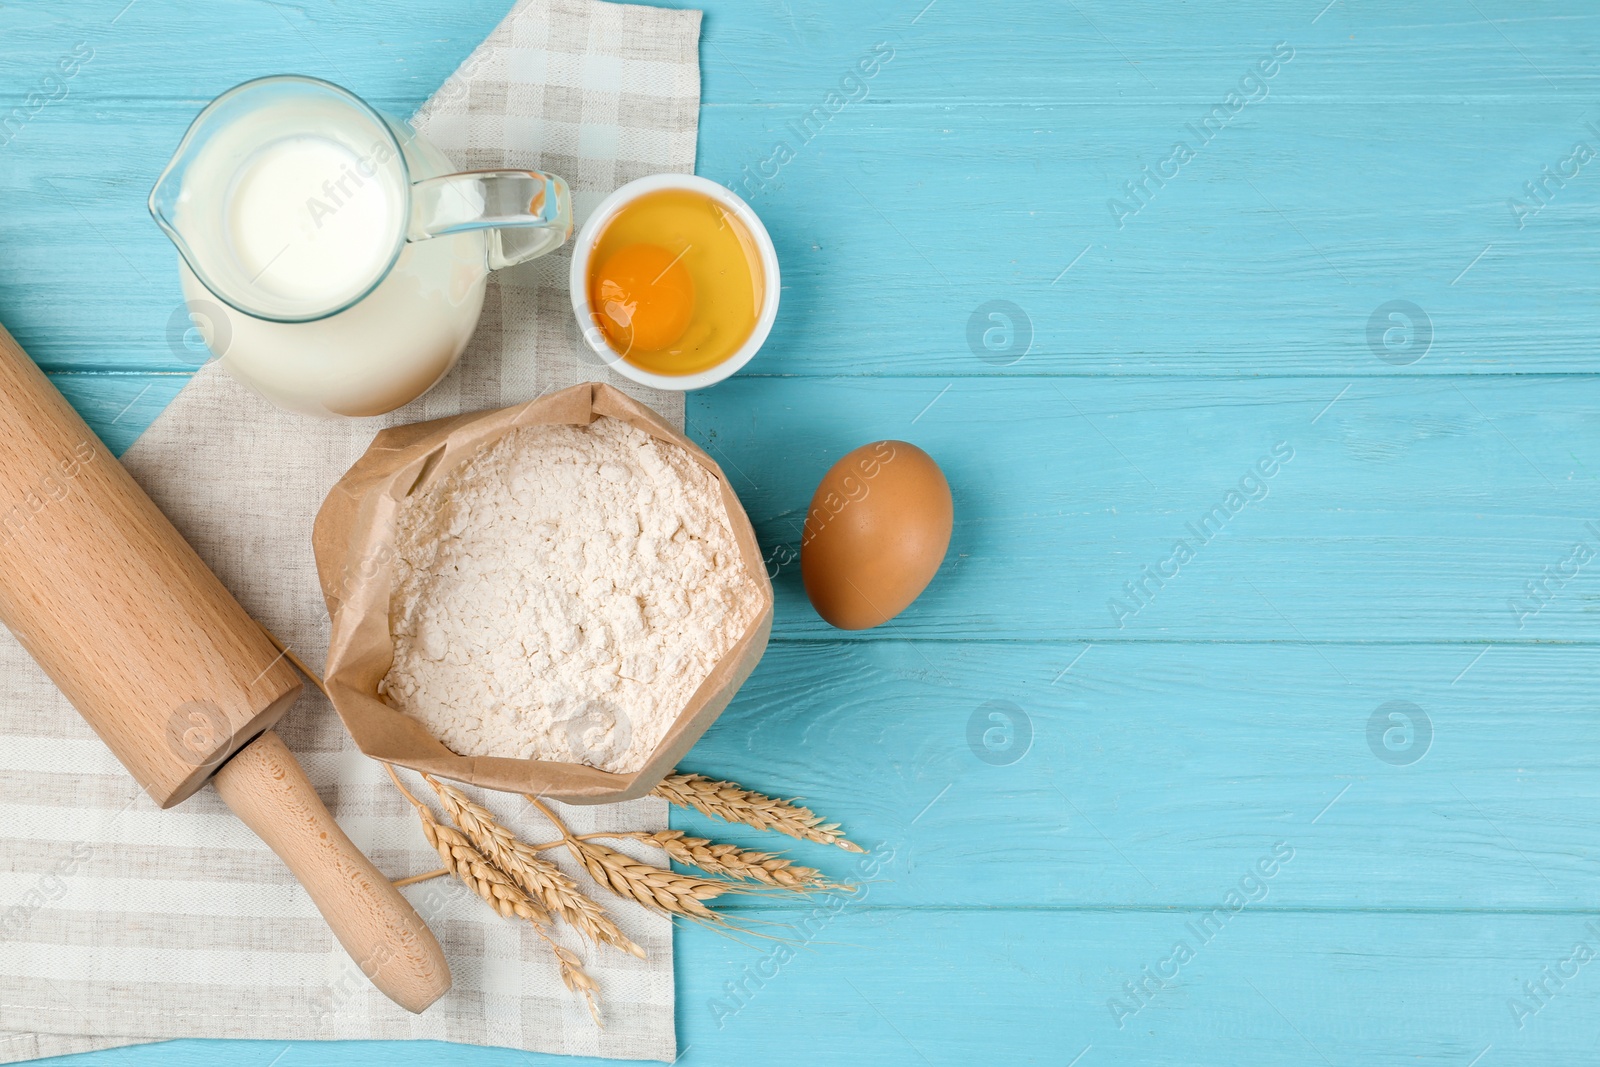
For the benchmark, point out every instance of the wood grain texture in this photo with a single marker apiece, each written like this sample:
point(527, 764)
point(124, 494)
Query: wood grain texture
point(116, 607)
point(1138, 773)
point(1167, 355)
point(1412, 508)
point(383, 934)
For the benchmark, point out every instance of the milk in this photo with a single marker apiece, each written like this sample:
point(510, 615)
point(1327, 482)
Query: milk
point(305, 224)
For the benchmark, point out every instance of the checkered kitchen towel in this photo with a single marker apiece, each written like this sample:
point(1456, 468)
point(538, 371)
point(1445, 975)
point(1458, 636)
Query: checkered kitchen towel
point(120, 923)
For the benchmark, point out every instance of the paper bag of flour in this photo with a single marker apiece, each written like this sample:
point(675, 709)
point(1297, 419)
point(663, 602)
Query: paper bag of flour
point(354, 539)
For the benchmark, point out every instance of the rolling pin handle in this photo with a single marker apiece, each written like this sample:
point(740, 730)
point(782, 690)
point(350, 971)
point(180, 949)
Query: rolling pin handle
point(267, 788)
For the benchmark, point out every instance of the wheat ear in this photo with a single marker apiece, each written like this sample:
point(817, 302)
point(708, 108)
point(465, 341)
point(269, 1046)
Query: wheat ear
point(654, 887)
point(538, 877)
point(734, 803)
point(575, 978)
point(464, 861)
point(731, 861)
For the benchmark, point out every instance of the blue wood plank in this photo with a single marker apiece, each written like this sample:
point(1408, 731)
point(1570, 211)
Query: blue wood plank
point(1412, 508)
point(1131, 774)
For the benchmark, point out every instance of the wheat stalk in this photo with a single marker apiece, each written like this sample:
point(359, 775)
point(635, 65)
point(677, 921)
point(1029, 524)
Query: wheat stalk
point(462, 859)
point(575, 978)
point(732, 861)
point(538, 877)
point(657, 888)
point(734, 803)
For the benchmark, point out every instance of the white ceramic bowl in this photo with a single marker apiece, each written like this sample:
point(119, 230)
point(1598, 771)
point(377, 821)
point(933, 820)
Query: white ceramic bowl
point(583, 247)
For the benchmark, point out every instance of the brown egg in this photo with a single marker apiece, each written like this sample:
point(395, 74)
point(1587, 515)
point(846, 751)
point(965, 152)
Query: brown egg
point(876, 533)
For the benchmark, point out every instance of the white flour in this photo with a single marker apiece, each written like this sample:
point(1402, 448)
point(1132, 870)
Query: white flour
point(562, 594)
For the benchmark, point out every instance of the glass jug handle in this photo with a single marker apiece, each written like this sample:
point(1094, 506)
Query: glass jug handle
point(528, 213)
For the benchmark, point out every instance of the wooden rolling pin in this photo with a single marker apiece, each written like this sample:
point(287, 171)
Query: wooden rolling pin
point(170, 671)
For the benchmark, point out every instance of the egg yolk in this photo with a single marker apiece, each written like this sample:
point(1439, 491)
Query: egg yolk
point(644, 297)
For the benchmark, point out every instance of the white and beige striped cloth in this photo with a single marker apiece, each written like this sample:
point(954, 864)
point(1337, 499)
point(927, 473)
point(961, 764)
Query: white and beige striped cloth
point(120, 923)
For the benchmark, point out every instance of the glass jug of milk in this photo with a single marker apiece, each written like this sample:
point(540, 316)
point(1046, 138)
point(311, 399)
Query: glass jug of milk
point(332, 258)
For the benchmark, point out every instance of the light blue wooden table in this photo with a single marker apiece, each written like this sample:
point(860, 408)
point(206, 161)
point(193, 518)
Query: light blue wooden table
point(1342, 745)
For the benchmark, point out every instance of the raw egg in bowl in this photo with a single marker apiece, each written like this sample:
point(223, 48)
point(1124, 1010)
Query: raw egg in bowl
point(674, 282)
